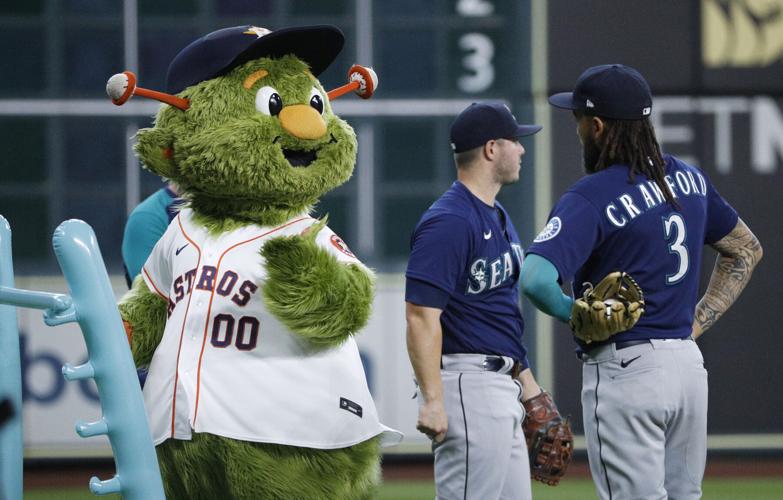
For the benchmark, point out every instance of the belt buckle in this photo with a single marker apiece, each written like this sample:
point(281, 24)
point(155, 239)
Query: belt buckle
point(493, 363)
point(497, 363)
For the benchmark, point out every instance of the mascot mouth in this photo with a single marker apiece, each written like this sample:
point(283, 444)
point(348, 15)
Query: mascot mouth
point(299, 158)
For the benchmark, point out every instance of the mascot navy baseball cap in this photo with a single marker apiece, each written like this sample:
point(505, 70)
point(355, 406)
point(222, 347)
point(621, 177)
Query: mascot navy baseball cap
point(609, 91)
point(484, 121)
point(221, 51)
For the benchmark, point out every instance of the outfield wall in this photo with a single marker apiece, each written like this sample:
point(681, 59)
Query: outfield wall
point(52, 405)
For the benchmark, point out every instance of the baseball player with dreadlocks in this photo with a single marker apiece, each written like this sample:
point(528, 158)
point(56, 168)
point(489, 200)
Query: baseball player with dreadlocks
point(637, 211)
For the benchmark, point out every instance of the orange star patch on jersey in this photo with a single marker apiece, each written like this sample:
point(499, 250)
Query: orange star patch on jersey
point(341, 246)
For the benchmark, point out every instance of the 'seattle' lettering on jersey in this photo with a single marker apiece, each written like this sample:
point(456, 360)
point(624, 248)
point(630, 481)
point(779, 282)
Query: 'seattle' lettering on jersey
point(227, 366)
point(606, 223)
point(470, 251)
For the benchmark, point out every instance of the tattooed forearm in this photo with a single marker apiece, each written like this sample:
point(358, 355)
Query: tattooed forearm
point(740, 251)
point(728, 279)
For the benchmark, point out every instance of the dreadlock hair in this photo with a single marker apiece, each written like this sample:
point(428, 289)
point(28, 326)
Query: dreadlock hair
point(633, 143)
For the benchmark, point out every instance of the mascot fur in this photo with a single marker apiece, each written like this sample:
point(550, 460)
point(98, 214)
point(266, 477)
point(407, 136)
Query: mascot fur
point(246, 309)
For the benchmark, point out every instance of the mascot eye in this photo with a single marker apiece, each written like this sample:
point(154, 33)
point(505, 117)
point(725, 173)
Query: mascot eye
point(268, 101)
point(316, 101)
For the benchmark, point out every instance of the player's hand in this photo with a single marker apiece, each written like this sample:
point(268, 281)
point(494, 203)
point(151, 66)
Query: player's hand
point(432, 421)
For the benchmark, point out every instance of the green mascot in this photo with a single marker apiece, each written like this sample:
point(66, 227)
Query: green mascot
point(246, 309)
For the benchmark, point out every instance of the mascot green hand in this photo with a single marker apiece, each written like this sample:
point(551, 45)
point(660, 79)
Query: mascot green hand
point(246, 309)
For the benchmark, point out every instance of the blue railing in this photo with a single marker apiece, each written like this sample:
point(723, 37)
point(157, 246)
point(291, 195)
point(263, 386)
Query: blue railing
point(91, 303)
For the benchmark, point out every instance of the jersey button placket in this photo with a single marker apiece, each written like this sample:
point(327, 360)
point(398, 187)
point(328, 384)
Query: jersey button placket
point(201, 297)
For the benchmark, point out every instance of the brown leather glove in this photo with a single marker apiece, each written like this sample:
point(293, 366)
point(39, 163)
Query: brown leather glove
point(550, 443)
point(614, 305)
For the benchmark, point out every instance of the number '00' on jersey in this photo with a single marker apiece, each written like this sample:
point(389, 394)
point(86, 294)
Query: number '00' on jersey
point(227, 366)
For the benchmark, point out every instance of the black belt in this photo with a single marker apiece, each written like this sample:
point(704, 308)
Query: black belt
point(617, 345)
point(620, 345)
point(630, 343)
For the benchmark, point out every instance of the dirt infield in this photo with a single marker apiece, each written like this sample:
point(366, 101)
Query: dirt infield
point(58, 474)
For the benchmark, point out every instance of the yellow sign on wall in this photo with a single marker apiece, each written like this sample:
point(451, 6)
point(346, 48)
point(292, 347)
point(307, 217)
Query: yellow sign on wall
point(742, 33)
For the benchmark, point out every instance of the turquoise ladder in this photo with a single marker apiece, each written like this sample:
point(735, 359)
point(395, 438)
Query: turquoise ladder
point(91, 303)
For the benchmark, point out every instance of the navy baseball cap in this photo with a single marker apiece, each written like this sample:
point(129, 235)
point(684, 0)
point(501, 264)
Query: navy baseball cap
point(609, 91)
point(221, 51)
point(484, 121)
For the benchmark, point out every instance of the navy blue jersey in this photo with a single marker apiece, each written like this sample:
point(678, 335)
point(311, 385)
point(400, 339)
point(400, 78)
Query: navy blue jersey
point(604, 223)
point(465, 260)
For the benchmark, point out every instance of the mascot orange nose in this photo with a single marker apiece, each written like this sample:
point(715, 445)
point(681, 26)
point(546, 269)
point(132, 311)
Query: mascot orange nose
point(302, 121)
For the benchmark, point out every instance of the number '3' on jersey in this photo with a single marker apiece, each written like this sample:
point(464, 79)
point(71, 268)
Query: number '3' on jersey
point(606, 223)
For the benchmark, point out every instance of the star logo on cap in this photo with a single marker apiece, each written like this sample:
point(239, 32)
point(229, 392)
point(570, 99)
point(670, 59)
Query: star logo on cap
point(255, 30)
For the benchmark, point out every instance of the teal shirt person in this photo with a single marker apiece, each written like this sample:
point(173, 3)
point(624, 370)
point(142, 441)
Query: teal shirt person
point(146, 224)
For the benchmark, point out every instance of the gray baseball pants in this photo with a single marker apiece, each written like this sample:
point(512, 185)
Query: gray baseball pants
point(484, 456)
point(645, 420)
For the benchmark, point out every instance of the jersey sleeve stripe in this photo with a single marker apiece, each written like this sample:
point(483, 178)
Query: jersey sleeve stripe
point(150, 282)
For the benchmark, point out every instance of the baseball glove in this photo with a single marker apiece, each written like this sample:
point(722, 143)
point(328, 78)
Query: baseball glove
point(550, 443)
point(614, 305)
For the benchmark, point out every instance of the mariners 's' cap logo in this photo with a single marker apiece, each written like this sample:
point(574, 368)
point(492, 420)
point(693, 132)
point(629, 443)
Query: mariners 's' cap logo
point(255, 30)
point(550, 231)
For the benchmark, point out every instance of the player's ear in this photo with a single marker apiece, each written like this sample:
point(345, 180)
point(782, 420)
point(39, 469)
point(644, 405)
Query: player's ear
point(155, 149)
point(489, 149)
point(598, 126)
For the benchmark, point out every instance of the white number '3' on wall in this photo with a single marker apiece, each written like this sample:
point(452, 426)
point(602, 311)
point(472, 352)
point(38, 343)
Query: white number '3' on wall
point(481, 50)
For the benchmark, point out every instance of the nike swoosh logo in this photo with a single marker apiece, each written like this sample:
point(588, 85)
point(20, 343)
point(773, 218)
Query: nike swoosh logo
point(181, 248)
point(627, 362)
point(488, 235)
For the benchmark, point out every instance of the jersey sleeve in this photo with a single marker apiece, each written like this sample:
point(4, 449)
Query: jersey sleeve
point(142, 231)
point(157, 271)
point(335, 246)
point(424, 294)
point(721, 217)
point(439, 251)
point(569, 237)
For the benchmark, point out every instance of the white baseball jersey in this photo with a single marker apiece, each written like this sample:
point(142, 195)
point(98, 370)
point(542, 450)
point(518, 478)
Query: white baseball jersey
point(228, 367)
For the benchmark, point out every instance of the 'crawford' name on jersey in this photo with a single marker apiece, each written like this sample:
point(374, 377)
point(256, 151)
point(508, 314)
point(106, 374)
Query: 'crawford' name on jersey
point(605, 223)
